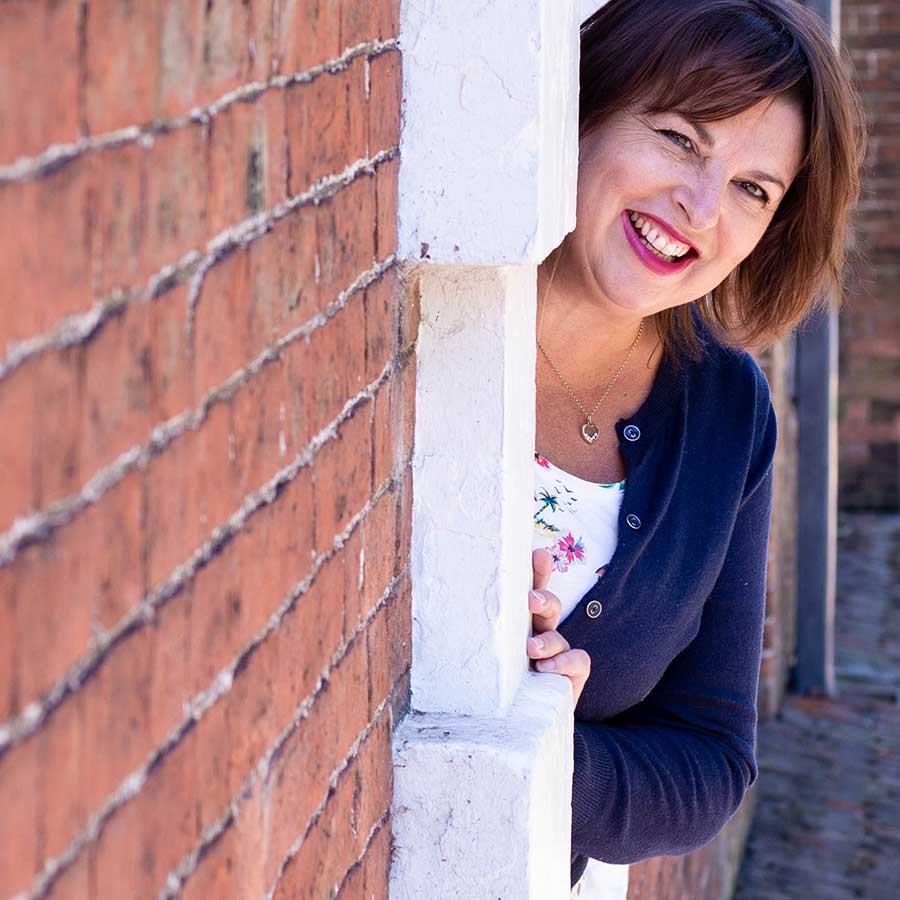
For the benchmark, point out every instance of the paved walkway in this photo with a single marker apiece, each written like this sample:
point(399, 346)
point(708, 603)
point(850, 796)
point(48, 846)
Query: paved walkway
point(827, 824)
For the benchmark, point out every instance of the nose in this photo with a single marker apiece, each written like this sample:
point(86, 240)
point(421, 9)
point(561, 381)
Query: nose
point(701, 199)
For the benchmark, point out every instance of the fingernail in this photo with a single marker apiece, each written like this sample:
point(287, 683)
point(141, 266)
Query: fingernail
point(537, 643)
point(546, 665)
point(541, 600)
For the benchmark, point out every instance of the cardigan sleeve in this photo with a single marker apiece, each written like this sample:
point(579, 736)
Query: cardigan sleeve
point(663, 777)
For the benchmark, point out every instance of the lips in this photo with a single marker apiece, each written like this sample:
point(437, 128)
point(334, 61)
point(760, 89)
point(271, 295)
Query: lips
point(648, 257)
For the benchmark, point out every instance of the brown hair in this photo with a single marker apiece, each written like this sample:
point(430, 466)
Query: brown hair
point(711, 59)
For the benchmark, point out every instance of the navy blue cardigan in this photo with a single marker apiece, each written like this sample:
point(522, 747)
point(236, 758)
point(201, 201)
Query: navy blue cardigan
point(665, 729)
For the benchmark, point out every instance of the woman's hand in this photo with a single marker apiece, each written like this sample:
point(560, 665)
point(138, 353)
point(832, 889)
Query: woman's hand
point(548, 646)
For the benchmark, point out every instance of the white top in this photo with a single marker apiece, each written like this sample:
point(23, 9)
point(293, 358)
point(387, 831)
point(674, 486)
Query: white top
point(577, 521)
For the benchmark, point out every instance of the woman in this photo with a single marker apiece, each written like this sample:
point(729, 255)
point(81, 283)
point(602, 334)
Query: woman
point(720, 143)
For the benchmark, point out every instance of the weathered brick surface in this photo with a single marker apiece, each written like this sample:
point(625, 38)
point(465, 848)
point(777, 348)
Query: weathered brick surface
point(207, 390)
point(870, 321)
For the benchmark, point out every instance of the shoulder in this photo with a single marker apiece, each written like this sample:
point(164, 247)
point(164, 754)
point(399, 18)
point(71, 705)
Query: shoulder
point(733, 373)
point(729, 390)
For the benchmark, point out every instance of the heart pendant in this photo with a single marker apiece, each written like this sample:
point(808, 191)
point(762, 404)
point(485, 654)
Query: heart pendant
point(589, 432)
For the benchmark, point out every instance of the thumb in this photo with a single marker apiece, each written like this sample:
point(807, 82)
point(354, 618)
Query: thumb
point(542, 567)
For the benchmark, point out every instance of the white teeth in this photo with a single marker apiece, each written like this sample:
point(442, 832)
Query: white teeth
point(657, 239)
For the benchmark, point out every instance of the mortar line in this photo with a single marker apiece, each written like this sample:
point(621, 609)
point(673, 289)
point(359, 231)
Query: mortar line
point(28, 168)
point(369, 838)
point(77, 328)
point(19, 728)
point(38, 526)
point(132, 784)
point(189, 864)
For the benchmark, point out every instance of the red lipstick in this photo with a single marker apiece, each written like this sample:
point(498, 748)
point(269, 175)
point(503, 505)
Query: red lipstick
point(648, 257)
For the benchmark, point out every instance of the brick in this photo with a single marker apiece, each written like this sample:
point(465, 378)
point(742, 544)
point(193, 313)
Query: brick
point(375, 779)
point(21, 853)
point(342, 478)
point(327, 371)
point(334, 841)
point(44, 68)
point(386, 213)
point(378, 639)
point(405, 527)
point(298, 779)
point(310, 34)
point(180, 81)
point(56, 470)
point(371, 877)
point(192, 785)
point(224, 61)
point(262, 440)
point(218, 868)
point(42, 783)
point(116, 387)
point(18, 449)
point(237, 591)
point(146, 838)
point(220, 345)
point(359, 22)
point(384, 101)
point(345, 235)
point(381, 301)
point(66, 586)
point(326, 124)
point(263, 42)
point(9, 661)
point(49, 261)
point(399, 613)
point(175, 167)
point(174, 528)
point(247, 159)
point(294, 252)
point(383, 436)
point(328, 849)
point(388, 19)
point(379, 535)
point(119, 217)
point(171, 379)
point(120, 79)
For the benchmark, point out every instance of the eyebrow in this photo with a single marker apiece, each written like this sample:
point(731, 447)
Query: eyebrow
point(707, 139)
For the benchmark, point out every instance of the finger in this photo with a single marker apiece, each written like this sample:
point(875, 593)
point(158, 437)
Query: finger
point(546, 610)
point(575, 663)
point(541, 567)
point(549, 643)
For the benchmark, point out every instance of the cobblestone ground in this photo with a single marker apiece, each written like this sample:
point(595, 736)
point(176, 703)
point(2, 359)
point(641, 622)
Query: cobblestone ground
point(827, 823)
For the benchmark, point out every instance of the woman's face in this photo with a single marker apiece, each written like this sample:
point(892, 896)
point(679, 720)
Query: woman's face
point(713, 186)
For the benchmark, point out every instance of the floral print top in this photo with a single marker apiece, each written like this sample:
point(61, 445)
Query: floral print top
point(577, 521)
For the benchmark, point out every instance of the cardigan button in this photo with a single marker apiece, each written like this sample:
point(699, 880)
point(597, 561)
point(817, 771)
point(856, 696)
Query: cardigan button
point(594, 608)
point(631, 432)
point(633, 521)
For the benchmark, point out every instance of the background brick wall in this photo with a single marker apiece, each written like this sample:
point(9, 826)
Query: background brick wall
point(870, 321)
point(206, 392)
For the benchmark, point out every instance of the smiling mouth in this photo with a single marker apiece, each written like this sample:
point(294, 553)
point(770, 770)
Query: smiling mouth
point(656, 241)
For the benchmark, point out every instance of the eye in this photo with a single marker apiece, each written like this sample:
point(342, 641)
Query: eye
point(754, 190)
point(677, 138)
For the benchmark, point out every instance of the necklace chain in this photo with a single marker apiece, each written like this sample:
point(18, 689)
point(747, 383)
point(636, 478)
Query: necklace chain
point(589, 430)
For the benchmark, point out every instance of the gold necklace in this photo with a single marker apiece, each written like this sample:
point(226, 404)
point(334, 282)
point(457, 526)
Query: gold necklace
point(589, 431)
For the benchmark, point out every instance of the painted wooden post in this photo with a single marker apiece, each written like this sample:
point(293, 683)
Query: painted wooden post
point(817, 375)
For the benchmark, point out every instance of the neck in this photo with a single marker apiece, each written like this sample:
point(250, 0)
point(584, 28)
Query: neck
point(585, 336)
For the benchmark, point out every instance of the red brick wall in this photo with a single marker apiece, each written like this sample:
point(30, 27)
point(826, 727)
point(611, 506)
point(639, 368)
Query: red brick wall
point(206, 392)
point(870, 322)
